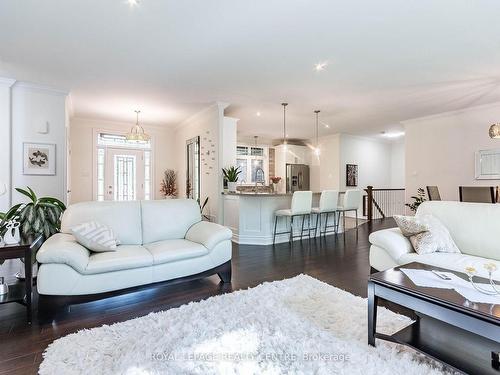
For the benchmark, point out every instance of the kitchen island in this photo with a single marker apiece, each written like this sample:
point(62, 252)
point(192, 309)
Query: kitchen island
point(250, 215)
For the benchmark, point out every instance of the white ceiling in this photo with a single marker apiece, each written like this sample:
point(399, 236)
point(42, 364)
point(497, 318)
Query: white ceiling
point(388, 61)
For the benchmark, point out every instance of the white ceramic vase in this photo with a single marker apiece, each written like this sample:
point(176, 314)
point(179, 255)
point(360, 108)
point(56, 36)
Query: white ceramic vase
point(231, 186)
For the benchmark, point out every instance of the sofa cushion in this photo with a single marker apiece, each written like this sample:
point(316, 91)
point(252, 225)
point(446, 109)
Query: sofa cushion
point(168, 219)
point(392, 241)
point(124, 218)
point(208, 234)
point(453, 261)
point(125, 257)
point(174, 250)
point(62, 248)
point(473, 226)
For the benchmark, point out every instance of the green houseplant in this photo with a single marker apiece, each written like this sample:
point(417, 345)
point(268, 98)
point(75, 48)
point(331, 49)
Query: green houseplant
point(37, 216)
point(231, 175)
point(417, 200)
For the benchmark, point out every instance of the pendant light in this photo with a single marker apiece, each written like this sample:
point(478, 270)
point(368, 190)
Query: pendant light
point(316, 150)
point(284, 124)
point(495, 131)
point(137, 132)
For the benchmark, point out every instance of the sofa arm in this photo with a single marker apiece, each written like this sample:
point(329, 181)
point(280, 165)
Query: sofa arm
point(392, 241)
point(63, 249)
point(208, 234)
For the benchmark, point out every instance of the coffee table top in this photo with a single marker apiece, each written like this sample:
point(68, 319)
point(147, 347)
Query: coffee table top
point(396, 279)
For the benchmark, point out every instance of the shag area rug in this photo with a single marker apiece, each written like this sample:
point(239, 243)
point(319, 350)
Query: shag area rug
point(295, 326)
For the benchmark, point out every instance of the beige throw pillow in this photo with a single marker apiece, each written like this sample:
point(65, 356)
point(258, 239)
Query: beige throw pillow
point(410, 225)
point(426, 234)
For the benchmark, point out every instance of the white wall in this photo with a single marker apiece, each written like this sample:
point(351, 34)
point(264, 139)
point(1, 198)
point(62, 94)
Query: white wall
point(325, 168)
point(33, 106)
point(83, 151)
point(440, 149)
point(206, 124)
point(398, 164)
point(5, 141)
point(229, 136)
point(372, 157)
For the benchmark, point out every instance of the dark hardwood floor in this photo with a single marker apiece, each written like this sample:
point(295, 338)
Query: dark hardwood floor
point(340, 260)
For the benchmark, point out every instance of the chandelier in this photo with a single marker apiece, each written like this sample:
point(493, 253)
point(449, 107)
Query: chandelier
point(495, 131)
point(137, 133)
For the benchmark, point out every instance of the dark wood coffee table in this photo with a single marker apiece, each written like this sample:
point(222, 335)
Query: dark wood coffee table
point(449, 329)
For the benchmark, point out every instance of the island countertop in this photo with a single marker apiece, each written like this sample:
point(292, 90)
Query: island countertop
point(257, 194)
point(251, 216)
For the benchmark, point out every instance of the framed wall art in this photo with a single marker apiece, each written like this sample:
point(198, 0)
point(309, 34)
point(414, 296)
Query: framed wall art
point(351, 175)
point(39, 159)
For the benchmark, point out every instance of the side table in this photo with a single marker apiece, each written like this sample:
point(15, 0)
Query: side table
point(22, 292)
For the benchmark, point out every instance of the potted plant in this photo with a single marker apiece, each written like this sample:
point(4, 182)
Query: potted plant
point(231, 175)
point(417, 200)
point(38, 216)
point(168, 186)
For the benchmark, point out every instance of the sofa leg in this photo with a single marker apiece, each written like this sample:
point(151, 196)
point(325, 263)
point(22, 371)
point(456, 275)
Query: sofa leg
point(51, 306)
point(225, 272)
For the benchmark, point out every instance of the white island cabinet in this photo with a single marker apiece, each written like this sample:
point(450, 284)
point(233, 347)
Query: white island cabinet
point(251, 217)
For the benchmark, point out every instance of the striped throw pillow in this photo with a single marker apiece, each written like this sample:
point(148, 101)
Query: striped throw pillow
point(95, 236)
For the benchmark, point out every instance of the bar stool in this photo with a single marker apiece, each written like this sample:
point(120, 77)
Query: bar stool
point(350, 203)
point(301, 206)
point(328, 203)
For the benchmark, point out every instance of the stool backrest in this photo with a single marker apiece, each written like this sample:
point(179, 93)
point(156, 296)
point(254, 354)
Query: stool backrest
point(352, 198)
point(301, 202)
point(328, 201)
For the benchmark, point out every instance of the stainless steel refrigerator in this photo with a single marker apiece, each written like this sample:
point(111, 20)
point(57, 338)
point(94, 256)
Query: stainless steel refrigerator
point(297, 177)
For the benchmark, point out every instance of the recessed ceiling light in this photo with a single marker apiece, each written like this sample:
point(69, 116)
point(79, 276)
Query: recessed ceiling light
point(133, 3)
point(258, 114)
point(392, 134)
point(320, 66)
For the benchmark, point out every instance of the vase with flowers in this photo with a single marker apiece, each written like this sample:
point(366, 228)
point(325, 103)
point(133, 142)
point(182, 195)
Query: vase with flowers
point(275, 181)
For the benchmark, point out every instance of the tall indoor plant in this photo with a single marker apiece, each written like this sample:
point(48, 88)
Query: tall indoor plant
point(231, 175)
point(37, 216)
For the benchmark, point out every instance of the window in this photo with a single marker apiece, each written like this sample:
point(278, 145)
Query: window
point(253, 162)
point(242, 163)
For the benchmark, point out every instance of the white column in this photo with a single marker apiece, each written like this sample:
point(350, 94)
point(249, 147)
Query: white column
point(5, 142)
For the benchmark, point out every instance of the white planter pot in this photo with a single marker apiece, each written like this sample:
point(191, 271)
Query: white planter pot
point(21, 275)
point(231, 186)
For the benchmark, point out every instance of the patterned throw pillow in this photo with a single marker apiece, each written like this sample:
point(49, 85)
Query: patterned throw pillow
point(410, 225)
point(95, 236)
point(436, 239)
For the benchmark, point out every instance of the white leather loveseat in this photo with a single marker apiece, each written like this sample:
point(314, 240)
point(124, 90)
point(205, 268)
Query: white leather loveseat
point(475, 228)
point(159, 241)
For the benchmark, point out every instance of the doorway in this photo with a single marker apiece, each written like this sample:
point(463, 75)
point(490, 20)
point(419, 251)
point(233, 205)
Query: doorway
point(124, 177)
point(123, 169)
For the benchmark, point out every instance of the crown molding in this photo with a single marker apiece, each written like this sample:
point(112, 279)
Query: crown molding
point(196, 115)
point(40, 87)
point(92, 122)
point(7, 81)
point(451, 113)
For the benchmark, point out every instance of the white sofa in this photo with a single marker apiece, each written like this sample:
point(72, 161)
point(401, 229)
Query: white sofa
point(159, 241)
point(475, 228)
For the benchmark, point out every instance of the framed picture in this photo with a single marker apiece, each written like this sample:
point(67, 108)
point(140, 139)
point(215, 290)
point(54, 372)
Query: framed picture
point(39, 159)
point(351, 175)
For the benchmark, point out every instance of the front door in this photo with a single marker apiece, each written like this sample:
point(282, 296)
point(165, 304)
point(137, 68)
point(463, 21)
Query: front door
point(124, 177)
